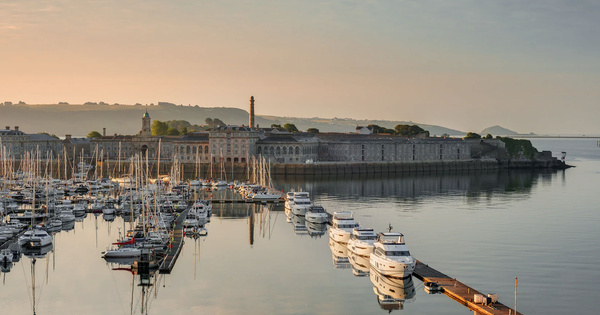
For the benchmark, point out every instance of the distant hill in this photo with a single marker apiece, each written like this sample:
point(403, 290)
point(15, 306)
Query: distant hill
point(497, 131)
point(79, 120)
point(349, 125)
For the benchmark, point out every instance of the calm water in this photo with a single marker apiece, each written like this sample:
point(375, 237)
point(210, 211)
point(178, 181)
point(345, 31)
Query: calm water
point(483, 229)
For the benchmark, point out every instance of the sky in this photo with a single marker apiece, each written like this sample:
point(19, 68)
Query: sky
point(529, 66)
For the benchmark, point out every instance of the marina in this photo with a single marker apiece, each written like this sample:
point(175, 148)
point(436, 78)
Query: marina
point(257, 233)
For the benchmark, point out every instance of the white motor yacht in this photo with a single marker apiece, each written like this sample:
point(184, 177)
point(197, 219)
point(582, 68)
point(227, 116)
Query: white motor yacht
point(35, 238)
point(122, 252)
point(361, 241)
point(342, 225)
point(6, 256)
point(316, 214)
point(391, 256)
point(301, 203)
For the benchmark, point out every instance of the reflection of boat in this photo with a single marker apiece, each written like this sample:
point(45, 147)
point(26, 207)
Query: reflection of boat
point(361, 241)
point(339, 254)
point(316, 214)
point(392, 293)
point(391, 256)
point(37, 252)
point(316, 229)
point(341, 226)
point(299, 225)
point(360, 264)
point(121, 260)
point(6, 256)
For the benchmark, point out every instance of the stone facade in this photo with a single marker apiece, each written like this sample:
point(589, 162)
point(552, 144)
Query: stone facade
point(236, 144)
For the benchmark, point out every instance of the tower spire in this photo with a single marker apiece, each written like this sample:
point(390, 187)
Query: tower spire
point(251, 122)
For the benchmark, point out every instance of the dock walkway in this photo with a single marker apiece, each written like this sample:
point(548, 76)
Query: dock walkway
point(460, 292)
point(175, 245)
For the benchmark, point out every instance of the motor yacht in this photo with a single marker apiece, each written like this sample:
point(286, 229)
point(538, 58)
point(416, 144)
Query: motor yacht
point(35, 238)
point(342, 225)
point(361, 241)
point(316, 214)
point(391, 256)
point(301, 203)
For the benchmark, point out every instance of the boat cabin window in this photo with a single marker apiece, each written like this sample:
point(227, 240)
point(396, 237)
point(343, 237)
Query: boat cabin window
point(379, 252)
point(397, 253)
point(365, 237)
point(347, 226)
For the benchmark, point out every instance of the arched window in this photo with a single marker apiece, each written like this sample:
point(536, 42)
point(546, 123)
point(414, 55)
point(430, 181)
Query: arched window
point(284, 150)
point(278, 150)
point(188, 150)
point(291, 150)
point(206, 149)
point(297, 150)
point(272, 150)
point(259, 150)
point(182, 150)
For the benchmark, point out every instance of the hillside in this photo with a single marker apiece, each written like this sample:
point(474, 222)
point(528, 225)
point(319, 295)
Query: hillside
point(79, 120)
point(497, 131)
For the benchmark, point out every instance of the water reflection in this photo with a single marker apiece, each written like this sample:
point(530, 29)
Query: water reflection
point(339, 254)
point(316, 229)
point(474, 184)
point(392, 293)
point(360, 264)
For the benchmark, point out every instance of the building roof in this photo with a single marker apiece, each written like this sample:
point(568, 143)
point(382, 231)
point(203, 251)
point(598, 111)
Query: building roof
point(42, 137)
point(195, 136)
point(275, 138)
point(8, 132)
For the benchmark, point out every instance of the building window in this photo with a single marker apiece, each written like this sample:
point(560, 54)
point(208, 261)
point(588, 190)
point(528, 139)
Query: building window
point(297, 150)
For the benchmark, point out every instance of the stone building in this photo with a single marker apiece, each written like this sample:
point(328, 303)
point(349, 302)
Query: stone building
point(288, 148)
point(233, 143)
point(17, 143)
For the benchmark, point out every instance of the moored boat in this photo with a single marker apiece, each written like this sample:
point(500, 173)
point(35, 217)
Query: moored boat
point(391, 256)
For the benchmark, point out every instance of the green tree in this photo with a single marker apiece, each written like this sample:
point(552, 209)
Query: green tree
point(312, 130)
point(184, 131)
point(219, 123)
point(172, 132)
point(276, 126)
point(290, 127)
point(379, 129)
point(408, 130)
point(489, 136)
point(472, 135)
point(159, 128)
point(209, 121)
point(94, 134)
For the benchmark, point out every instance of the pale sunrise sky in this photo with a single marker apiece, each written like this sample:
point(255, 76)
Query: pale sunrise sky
point(529, 66)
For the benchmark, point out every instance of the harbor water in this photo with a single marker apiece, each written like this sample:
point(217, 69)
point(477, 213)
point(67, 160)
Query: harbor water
point(484, 229)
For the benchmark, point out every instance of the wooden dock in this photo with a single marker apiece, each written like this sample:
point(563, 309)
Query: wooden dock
point(460, 292)
point(175, 246)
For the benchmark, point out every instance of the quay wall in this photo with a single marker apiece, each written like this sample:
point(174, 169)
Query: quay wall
point(241, 170)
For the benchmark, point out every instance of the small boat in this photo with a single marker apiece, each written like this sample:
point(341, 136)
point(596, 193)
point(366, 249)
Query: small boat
point(432, 287)
point(391, 256)
point(316, 214)
point(122, 252)
point(342, 225)
point(361, 241)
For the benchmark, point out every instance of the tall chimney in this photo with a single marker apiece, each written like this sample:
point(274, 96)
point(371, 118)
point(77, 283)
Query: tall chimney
point(7, 127)
point(16, 128)
point(251, 123)
point(68, 137)
point(104, 132)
